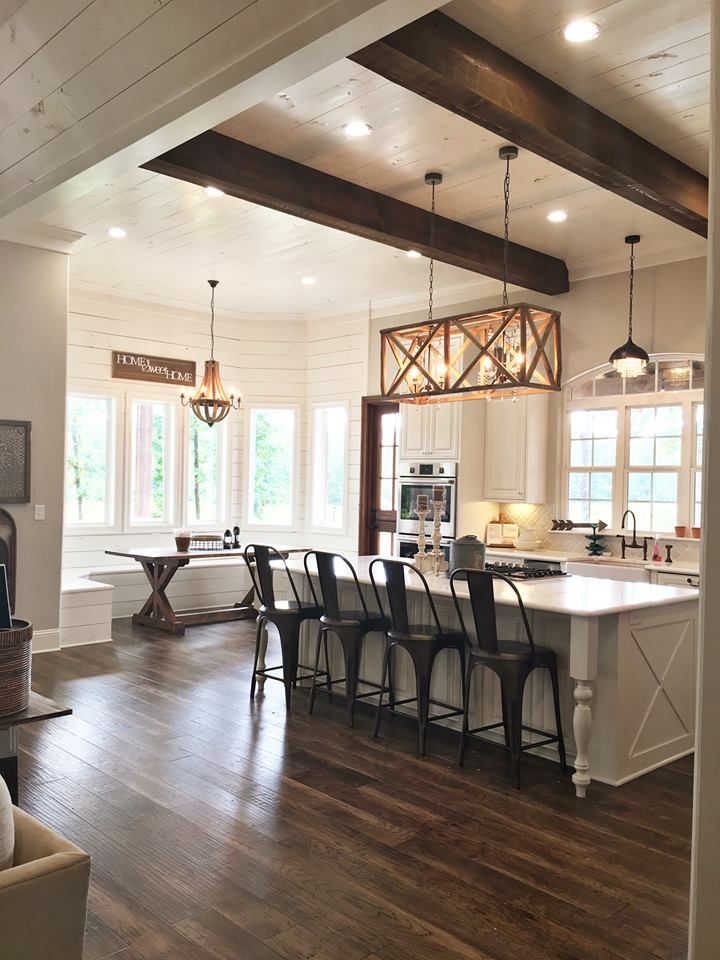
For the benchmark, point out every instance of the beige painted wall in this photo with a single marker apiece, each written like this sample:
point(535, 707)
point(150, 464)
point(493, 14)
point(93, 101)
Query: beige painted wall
point(34, 287)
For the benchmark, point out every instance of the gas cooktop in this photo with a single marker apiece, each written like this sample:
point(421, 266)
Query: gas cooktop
point(516, 571)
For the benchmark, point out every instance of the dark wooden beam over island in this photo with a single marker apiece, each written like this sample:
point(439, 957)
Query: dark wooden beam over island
point(253, 174)
point(444, 62)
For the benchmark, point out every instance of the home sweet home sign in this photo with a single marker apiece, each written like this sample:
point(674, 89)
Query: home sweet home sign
point(138, 366)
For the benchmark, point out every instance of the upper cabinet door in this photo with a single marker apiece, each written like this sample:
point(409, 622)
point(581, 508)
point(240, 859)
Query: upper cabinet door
point(413, 431)
point(505, 449)
point(429, 431)
point(445, 430)
point(516, 449)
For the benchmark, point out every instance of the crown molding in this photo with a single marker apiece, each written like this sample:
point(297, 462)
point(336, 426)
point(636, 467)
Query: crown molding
point(44, 236)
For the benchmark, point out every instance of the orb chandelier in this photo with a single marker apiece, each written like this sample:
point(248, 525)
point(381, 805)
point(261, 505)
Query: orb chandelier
point(630, 360)
point(210, 403)
point(512, 348)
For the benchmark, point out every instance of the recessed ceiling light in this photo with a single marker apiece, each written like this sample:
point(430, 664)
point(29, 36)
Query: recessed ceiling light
point(214, 192)
point(580, 31)
point(557, 216)
point(413, 254)
point(308, 281)
point(357, 128)
point(117, 233)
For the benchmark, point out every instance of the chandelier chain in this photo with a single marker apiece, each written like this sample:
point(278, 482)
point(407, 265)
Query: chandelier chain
point(632, 288)
point(431, 269)
point(506, 242)
point(212, 323)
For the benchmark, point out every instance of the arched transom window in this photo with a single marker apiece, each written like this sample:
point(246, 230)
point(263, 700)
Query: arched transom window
point(636, 444)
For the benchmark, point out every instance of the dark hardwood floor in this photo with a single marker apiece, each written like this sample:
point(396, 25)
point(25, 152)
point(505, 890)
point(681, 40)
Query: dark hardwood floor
point(220, 829)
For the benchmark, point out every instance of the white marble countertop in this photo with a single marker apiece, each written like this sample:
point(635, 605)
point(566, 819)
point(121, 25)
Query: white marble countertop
point(680, 567)
point(571, 596)
point(550, 556)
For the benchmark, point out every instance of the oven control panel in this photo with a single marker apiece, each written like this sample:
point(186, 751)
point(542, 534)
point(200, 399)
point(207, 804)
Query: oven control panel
point(428, 470)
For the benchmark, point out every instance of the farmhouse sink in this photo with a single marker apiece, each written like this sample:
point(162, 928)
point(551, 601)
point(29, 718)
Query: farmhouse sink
point(632, 571)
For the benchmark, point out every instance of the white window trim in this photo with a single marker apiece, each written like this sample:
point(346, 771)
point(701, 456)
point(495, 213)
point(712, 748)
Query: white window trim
point(224, 475)
point(311, 526)
point(117, 395)
point(249, 524)
point(173, 479)
point(622, 402)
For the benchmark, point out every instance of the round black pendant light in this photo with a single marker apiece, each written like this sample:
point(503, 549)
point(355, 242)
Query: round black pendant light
point(630, 360)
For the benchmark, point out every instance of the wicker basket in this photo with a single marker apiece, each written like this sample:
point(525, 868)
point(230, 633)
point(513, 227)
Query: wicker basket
point(15, 664)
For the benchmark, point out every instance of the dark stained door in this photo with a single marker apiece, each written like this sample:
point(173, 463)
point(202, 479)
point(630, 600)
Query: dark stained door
point(378, 488)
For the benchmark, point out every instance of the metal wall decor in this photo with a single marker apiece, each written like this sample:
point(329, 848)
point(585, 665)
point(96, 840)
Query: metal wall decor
point(512, 348)
point(15, 461)
point(210, 403)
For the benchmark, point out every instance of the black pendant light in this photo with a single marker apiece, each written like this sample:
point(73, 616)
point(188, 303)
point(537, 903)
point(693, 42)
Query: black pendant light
point(630, 360)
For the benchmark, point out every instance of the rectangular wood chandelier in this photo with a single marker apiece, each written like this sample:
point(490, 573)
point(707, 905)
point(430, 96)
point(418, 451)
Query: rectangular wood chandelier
point(511, 349)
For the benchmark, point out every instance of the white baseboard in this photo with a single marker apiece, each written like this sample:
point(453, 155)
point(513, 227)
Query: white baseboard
point(84, 643)
point(44, 641)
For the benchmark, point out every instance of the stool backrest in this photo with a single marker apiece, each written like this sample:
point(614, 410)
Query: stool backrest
point(396, 588)
point(481, 587)
point(259, 558)
point(327, 566)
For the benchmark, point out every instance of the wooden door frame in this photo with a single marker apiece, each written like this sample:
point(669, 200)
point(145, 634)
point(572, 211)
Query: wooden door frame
point(371, 407)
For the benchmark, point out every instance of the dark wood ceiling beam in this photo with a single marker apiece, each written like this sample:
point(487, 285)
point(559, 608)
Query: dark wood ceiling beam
point(443, 61)
point(272, 181)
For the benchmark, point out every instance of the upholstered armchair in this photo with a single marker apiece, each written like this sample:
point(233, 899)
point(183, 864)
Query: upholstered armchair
point(43, 896)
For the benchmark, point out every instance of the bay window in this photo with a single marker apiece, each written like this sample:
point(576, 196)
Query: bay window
point(271, 467)
point(152, 463)
point(328, 466)
point(90, 461)
point(638, 445)
point(205, 475)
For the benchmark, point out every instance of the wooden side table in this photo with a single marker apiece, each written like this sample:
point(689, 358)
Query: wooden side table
point(39, 708)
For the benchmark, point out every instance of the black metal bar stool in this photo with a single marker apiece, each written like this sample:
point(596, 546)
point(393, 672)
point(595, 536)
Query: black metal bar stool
point(349, 626)
point(286, 616)
point(422, 641)
point(512, 663)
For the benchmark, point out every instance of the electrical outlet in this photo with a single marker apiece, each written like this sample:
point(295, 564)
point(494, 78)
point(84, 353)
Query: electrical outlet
point(39, 511)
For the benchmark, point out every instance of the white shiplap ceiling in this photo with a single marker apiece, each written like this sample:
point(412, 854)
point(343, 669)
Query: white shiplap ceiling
point(178, 237)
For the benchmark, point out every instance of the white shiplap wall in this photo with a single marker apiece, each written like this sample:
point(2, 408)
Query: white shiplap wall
point(264, 357)
point(336, 371)
point(269, 360)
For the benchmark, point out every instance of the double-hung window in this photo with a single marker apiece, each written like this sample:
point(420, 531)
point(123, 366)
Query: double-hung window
point(151, 466)
point(636, 444)
point(206, 474)
point(697, 455)
point(329, 466)
point(593, 457)
point(654, 464)
point(271, 467)
point(90, 461)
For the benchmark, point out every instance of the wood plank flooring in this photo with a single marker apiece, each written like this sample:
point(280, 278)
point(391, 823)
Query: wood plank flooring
point(220, 829)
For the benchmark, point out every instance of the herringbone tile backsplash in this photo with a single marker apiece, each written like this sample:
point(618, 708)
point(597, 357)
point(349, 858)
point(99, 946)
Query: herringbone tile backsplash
point(539, 516)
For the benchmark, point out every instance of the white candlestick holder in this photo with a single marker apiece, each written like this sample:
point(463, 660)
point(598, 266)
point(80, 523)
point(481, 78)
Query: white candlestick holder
point(438, 562)
point(423, 561)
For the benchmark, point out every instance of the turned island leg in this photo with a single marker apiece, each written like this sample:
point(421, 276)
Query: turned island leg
point(582, 729)
point(583, 669)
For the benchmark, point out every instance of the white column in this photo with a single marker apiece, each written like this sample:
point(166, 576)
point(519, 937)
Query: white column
point(705, 882)
point(583, 670)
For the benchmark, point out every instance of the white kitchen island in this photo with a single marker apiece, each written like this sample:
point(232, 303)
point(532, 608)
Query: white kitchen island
point(626, 655)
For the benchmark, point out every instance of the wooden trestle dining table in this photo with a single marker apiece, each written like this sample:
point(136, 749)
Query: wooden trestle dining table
point(160, 566)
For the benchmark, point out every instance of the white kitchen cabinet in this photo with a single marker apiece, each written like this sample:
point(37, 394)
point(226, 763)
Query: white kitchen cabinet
point(676, 579)
point(515, 460)
point(430, 431)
